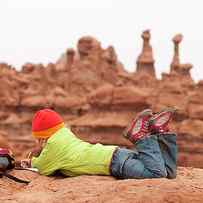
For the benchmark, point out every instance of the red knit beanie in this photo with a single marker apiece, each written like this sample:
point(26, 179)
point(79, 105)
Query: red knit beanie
point(45, 123)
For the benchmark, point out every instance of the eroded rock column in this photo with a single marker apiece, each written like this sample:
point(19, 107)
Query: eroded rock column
point(145, 61)
point(176, 57)
point(176, 66)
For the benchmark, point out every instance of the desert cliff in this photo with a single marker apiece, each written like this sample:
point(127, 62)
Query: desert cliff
point(97, 97)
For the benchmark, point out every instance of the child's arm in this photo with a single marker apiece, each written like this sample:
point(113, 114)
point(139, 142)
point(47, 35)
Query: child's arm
point(48, 161)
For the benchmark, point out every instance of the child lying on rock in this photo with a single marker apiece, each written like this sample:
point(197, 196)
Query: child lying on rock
point(154, 154)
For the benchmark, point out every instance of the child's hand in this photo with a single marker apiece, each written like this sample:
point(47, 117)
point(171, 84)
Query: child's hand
point(36, 151)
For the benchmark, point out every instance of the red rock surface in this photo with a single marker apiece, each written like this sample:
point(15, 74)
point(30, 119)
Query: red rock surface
point(187, 188)
point(97, 97)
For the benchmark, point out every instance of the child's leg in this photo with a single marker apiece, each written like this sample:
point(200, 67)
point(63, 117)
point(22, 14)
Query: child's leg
point(146, 162)
point(167, 142)
point(151, 156)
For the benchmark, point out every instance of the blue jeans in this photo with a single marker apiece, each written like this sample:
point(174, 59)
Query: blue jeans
point(153, 157)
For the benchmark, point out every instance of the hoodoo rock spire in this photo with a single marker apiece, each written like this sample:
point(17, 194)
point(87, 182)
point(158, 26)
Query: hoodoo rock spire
point(145, 61)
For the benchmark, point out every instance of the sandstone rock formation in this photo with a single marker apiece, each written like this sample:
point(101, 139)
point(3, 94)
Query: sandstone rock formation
point(145, 61)
point(97, 97)
point(176, 66)
point(3, 140)
point(187, 188)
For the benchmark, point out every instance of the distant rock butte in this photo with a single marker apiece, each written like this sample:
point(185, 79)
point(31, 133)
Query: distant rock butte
point(97, 97)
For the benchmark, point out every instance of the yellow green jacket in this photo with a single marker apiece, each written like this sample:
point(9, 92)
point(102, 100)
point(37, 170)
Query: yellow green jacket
point(72, 156)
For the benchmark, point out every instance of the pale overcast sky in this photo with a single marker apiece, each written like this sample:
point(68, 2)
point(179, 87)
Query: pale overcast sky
point(41, 30)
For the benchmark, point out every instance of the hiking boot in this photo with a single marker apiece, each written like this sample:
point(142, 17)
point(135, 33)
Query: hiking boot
point(139, 127)
point(159, 121)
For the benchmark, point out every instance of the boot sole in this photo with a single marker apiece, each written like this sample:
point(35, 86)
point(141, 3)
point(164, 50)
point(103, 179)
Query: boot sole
point(141, 115)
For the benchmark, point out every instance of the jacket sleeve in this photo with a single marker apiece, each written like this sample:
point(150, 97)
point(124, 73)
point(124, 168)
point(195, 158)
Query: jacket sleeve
point(47, 163)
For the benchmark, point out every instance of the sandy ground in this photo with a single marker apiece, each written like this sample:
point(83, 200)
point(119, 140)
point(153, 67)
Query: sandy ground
point(187, 187)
